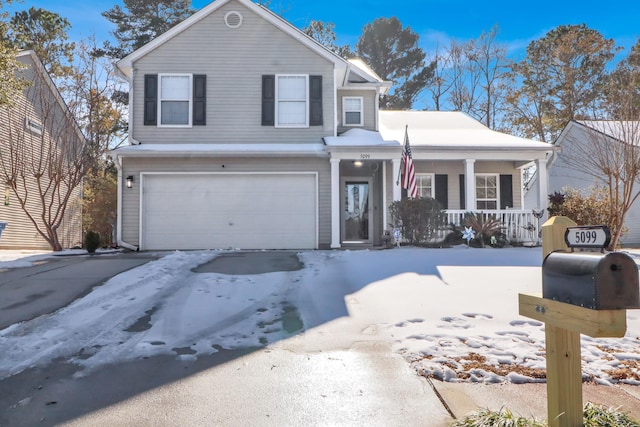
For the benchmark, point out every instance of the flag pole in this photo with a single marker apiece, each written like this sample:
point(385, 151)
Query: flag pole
point(406, 129)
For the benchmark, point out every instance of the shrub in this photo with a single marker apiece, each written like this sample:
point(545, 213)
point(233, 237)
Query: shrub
point(590, 207)
point(486, 227)
point(91, 241)
point(419, 220)
point(502, 418)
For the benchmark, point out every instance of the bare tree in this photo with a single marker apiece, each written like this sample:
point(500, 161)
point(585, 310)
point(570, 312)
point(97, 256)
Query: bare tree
point(44, 157)
point(609, 150)
point(488, 61)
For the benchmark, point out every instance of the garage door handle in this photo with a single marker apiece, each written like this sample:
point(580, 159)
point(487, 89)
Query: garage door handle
point(230, 221)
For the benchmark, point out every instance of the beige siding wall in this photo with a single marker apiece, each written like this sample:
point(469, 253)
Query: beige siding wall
point(132, 166)
point(369, 100)
point(234, 61)
point(455, 168)
point(20, 232)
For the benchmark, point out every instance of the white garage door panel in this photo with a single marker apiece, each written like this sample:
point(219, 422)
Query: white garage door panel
point(249, 211)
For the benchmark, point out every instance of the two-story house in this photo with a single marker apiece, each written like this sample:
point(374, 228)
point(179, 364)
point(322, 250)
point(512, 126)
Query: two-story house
point(37, 121)
point(246, 133)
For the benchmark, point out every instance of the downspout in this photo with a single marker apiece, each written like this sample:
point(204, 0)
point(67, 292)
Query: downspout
point(119, 240)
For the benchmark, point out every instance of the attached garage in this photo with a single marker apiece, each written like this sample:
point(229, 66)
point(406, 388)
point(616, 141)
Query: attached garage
point(229, 210)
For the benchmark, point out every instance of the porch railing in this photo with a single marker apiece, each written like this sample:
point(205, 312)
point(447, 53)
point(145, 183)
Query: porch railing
point(520, 226)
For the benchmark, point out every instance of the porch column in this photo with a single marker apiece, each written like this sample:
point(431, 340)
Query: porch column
point(335, 203)
point(543, 190)
point(397, 193)
point(469, 185)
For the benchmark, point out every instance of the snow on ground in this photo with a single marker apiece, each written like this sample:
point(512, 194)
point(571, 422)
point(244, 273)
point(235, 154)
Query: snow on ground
point(452, 313)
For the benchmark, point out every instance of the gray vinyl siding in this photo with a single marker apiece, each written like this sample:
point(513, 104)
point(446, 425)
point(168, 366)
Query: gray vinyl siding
point(234, 61)
point(369, 109)
point(134, 166)
point(20, 232)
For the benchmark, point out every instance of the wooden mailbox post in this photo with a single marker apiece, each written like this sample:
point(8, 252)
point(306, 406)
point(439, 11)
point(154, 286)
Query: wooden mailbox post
point(563, 325)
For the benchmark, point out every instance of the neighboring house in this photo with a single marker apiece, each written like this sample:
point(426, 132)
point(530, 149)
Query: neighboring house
point(246, 133)
point(40, 114)
point(563, 173)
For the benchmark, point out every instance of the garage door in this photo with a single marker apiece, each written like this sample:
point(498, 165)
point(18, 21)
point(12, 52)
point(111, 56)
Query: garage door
point(221, 211)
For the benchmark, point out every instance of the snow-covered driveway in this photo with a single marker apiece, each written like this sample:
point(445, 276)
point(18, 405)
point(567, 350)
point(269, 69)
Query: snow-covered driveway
point(453, 313)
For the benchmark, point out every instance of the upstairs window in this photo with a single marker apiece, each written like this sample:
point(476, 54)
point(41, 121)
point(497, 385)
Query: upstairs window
point(33, 126)
point(292, 101)
point(352, 111)
point(175, 99)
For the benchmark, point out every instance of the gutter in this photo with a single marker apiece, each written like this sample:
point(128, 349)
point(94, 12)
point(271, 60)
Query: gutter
point(119, 240)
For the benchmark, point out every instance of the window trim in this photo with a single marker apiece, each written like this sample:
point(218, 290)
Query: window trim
point(496, 199)
point(433, 183)
point(360, 110)
point(34, 126)
point(278, 100)
point(189, 99)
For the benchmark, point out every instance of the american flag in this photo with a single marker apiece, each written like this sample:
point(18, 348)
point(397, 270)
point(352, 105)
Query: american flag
point(408, 172)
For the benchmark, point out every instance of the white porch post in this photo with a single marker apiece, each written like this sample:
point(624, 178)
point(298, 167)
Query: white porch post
point(385, 209)
point(469, 185)
point(543, 190)
point(335, 203)
point(397, 193)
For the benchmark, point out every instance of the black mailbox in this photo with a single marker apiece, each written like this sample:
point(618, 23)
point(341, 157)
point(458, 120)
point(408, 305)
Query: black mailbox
point(592, 280)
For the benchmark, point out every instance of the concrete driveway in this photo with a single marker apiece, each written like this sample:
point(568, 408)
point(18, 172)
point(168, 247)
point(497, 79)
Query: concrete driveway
point(338, 373)
point(57, 281)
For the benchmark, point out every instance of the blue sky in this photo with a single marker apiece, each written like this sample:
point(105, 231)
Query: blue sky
point(436, 21)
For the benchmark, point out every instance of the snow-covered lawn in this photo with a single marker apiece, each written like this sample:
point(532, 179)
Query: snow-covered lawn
point(452, 313)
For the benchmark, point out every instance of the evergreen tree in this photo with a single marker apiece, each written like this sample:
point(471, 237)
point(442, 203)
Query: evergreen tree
point(393, 53)
point(45, 33)
point(140, 21)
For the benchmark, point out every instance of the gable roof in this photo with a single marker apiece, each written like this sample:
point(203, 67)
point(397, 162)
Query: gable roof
point(620, 130)
point(125, 65)
point(39, 69)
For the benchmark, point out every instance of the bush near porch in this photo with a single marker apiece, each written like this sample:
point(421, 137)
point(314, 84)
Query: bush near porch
point(420, 220)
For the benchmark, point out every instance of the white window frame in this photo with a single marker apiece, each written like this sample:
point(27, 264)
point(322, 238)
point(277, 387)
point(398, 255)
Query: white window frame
point(34, 126)
point(419, 177)
point(345, 111)
point(278, 101)
point(488, 199)
point(189, 99)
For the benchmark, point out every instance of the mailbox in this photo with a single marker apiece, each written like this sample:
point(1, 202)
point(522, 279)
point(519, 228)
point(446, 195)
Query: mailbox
point(592, 280)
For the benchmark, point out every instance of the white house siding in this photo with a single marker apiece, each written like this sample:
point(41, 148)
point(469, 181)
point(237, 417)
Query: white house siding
point(134, 166)
point(370, 98)
point(234, 61)
point(20, 231)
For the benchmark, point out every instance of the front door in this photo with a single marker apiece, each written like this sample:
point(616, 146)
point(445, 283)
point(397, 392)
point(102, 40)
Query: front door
point(357, 224)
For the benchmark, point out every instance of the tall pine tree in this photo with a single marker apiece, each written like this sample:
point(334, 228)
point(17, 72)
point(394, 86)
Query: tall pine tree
point(140, 21)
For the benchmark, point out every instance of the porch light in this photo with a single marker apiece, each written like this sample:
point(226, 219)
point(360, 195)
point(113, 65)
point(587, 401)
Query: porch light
point(357, 163)
point(130, 181)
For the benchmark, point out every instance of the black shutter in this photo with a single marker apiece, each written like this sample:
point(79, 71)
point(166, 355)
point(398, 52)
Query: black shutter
point(463, 198)
point(442, 190)
point(150, 99)
point(506, 191)
point(199, 99)
point(315, 100)
point(268, 100)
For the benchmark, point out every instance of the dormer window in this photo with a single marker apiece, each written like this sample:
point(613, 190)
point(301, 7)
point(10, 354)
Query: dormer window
point(352, 110)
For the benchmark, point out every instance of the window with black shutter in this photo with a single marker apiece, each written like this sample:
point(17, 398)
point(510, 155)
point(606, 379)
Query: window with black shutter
point(150, 99)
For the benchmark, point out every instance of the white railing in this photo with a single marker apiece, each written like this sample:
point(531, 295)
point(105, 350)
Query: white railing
point(520, 226)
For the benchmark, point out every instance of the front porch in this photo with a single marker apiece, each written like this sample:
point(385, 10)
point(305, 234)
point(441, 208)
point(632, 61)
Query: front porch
point(519, 226)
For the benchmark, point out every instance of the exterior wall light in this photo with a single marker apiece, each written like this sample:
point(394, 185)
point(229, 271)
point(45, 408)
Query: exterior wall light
point(130, 181)
point(357, 163)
